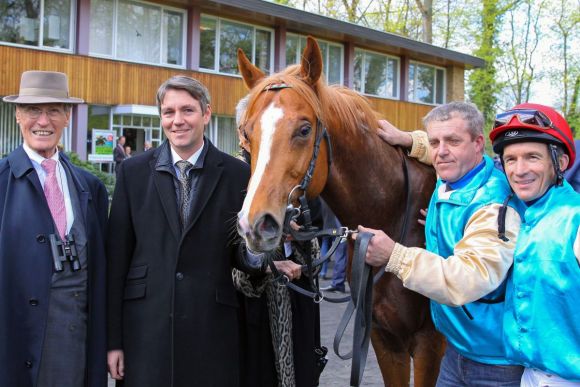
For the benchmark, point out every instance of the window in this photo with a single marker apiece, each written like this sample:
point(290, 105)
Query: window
point(376, 74)
point(138, 32)
point(10, 137)
point(223, 133)
point(221, 38)
point(426, 83)
point(332, 56)
point(40, 23)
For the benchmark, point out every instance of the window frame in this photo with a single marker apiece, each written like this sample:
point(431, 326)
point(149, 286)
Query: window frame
point(435, 68)
point(213, 132)
point(40, 45)
point(397, 96)
point(163, 8)
point(329, 43)
point(216, 64)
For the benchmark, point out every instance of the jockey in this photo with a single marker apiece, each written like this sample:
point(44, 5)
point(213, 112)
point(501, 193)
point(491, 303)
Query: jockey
point(542, 319)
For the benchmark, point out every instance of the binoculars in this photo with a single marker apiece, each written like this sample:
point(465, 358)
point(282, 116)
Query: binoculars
point(63, 251)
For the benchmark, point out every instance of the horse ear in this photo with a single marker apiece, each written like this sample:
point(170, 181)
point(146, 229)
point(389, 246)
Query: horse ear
point(250, 73)
point(311, 66)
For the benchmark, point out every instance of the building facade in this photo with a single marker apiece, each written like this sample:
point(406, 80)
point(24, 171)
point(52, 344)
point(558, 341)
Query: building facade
point(117, 53)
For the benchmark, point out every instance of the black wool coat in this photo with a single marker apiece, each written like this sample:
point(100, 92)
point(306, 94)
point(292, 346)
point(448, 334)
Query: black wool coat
point(172, 306)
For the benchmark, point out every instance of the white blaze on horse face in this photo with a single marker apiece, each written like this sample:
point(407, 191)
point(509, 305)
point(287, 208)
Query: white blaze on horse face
point(268, 122)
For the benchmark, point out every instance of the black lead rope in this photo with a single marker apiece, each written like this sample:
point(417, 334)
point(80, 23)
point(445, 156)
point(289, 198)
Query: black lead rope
point(361, 307)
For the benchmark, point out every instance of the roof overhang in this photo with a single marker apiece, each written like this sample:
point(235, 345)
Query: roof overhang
point(259, 11)
point(142, 110)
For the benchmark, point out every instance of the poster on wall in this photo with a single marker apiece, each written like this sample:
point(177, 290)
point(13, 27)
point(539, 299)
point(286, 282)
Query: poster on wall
point(103, 141)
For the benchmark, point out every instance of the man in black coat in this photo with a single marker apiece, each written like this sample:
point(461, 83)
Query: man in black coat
point(52, 303)
point(173, 311)
point(119, 154)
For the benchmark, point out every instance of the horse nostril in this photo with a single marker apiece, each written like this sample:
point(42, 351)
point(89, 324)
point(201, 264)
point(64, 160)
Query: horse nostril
point(267, 227)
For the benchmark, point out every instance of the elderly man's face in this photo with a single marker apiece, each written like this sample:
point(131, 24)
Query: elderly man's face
point(529, 169)
point(42, 125)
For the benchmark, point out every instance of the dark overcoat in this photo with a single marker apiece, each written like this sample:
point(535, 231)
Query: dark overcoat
point(26, 269)
point(173, 308)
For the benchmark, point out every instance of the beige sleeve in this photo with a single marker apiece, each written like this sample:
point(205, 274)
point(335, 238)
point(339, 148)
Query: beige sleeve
point(420, 149)
point(480, 261)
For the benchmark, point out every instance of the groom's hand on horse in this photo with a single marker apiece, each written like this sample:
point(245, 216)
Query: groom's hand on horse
point(422, 219)
point(380, 247)
point(390, 134)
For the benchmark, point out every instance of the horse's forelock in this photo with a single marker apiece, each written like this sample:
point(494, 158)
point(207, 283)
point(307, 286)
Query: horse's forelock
point(336, 106)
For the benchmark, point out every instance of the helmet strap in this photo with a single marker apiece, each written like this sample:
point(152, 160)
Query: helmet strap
point(556, 163)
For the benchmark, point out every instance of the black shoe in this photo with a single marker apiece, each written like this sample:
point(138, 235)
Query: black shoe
point(332, 288)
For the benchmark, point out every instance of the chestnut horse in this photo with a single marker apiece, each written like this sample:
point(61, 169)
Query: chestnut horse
point(364, 183)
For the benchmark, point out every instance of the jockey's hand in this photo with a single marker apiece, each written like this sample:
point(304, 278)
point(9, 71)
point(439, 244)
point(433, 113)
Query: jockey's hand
point(380, 247)
point(422, 220)
point(390, 134)
point(289, 268)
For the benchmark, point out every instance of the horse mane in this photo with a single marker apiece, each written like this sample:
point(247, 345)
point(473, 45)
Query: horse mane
point(336, 106)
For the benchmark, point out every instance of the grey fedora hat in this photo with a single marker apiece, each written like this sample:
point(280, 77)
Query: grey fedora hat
point(43, 87)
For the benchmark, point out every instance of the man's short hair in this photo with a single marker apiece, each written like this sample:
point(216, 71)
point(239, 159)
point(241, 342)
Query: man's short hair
point(465, 110)
point(179, 82)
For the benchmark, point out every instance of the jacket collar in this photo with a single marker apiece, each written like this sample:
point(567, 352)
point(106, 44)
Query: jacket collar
point(465, 194)
point(165, 160)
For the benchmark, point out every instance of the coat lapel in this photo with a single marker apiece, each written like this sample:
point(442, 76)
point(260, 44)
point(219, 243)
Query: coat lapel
point(166, 189)
point(21, 166)
point(212, 172)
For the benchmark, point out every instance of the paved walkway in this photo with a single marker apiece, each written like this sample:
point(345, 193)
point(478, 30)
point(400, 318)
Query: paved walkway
point(337, 371)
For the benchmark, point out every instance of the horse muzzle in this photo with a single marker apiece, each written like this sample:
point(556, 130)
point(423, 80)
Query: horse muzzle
point(263, 235)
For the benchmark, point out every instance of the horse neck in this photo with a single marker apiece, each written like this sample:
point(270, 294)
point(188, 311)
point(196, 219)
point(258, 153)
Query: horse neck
point(366, 183)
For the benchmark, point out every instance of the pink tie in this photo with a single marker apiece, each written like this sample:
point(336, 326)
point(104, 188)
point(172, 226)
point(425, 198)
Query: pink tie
point(54, 196)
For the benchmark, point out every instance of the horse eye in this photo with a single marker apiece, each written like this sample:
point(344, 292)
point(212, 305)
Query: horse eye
point(305, 130)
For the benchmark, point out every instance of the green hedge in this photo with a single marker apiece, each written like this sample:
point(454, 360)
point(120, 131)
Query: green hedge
point(107, 178)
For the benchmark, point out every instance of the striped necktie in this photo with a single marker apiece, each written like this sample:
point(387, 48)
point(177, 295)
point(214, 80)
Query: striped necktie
point(184, 190)
point(54, 197)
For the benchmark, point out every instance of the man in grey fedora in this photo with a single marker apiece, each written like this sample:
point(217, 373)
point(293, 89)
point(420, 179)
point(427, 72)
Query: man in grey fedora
point(52, 257)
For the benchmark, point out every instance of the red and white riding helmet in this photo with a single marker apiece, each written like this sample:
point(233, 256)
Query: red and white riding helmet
point(532, 122)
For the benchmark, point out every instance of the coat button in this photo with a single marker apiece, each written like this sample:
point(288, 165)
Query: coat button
point(40, 238)
point(179, 276)
point(33, 302)
point(28, 364)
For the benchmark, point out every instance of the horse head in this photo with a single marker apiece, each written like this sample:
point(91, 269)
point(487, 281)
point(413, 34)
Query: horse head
point(279, 129)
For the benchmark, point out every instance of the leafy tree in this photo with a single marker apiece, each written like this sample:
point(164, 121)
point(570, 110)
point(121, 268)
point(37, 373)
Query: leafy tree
point(426, 9)
point(519, 58)
point(566, 26)
point(573, 114)
point(484, 86)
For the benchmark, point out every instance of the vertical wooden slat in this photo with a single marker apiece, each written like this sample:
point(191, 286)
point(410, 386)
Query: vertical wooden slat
point(108, 82)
